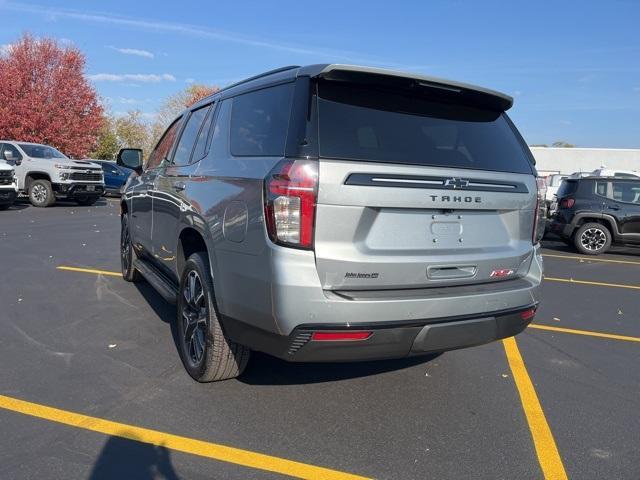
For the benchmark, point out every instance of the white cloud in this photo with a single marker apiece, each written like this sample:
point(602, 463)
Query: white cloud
point(5, 49)
point(189, 80)
point(173, 28)
point(133, 51)
point(143, 115)
point(132, 77)
point(127, 101)
point(566, 122)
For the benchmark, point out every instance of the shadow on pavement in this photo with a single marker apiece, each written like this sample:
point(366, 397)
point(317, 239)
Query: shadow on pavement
point(553, 243)
point(165, 311)
point(266, 370)
point(121, 458)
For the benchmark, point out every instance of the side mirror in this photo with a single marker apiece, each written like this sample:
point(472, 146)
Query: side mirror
point(10, 157)
point(130, 158)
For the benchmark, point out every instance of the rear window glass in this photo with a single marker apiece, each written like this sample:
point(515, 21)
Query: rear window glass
point(260, 120)
point(358, 123)
point(567, 187)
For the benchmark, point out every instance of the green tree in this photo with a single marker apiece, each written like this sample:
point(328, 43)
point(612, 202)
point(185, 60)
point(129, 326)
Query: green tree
point(175, 104)
point(131, 130)
point(108, 144)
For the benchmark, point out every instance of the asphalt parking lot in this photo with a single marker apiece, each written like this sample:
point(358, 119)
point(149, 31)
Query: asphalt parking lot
point(92, 385)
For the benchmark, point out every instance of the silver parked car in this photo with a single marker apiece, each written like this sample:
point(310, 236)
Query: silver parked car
point(336, 213)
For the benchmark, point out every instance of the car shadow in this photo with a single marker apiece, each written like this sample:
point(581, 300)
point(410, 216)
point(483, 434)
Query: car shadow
point(128, 458)
point(554, 244)
point(22, 203)
point(164, 310)
point(267, 370)
point(17, 206)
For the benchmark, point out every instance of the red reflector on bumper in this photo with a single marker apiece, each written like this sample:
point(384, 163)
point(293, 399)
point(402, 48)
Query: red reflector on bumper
point(528, 314)
point(339, 336)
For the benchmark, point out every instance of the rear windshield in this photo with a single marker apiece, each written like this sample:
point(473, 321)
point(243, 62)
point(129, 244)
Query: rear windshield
point(359, 123)
point(567, 187)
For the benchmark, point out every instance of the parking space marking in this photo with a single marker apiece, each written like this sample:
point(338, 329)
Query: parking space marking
point(598, 284)
point(543, 441)
point(588, 333)
point(89, 270)
point(590, 259)
point(245, 458)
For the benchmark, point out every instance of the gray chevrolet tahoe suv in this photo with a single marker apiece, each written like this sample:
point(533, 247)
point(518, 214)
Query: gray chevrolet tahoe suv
point(336, 213)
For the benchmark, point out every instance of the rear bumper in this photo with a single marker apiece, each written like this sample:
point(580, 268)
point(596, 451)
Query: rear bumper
point(285, 311)
point(396, 340)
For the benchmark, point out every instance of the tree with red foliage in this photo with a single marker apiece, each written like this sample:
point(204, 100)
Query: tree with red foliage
point(45, 98)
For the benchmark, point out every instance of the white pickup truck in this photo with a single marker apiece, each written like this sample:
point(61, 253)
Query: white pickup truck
point(45, 174)
point(8, 185)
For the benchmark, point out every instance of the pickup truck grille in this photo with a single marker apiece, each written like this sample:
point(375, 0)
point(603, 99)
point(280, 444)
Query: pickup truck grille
point(86, 177)
point(6, 177)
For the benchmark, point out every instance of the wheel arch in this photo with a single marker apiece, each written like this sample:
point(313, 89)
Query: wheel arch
point(33, 176)
point(190, 241)
point(601, 218)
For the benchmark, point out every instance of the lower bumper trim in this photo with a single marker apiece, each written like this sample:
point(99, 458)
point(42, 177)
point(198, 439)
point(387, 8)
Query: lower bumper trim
point(387, 341)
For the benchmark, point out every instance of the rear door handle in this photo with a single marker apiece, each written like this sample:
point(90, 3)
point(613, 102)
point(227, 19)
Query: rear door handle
point(614, 207)
point(178, 187)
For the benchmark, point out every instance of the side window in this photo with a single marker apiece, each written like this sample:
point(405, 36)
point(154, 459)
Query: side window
point(628, 192)
point(601, 189)
point(189, 135)
point(10, 153)
point(260, 120)
point(164, 146)
point(218, 148)
point(202, 145)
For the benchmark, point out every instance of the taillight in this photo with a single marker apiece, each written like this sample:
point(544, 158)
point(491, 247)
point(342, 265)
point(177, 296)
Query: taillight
point(538, 232)
point(528, 314)
point(567, 203)
point(291, 190)
point(340, 336)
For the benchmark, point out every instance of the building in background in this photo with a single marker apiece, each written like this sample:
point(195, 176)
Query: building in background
point(551, 160)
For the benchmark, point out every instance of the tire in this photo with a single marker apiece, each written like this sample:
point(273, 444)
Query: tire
point(207, 354)
point(129, 272)
point(592, 239)
point(4, 206)
point(87, 201)
point(41, 193)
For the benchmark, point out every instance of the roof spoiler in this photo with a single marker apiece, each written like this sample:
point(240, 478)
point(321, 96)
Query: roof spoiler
point(447, 90)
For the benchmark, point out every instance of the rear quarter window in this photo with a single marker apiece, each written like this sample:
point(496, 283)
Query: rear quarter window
point(359, 123)
point(260, 121)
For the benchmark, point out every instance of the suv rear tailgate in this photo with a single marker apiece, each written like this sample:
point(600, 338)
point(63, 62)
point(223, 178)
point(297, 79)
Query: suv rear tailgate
point(384, 226)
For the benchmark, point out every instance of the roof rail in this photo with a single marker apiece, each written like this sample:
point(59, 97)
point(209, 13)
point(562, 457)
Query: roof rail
point(265, 74)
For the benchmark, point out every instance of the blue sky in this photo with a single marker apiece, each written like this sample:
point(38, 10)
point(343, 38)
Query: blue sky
point(573, 67)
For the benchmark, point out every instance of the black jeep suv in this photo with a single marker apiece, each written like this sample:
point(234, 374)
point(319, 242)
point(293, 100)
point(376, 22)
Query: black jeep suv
point(594, 212)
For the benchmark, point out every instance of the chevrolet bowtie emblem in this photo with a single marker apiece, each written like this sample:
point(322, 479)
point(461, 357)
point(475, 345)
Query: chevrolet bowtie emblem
point(456, 182)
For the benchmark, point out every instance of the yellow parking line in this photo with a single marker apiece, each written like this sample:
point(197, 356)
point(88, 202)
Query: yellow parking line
point(598, 284)
point(545, 445)
point(89, 270)
point(214, 451)
point(590, 259)
point(588, 333)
